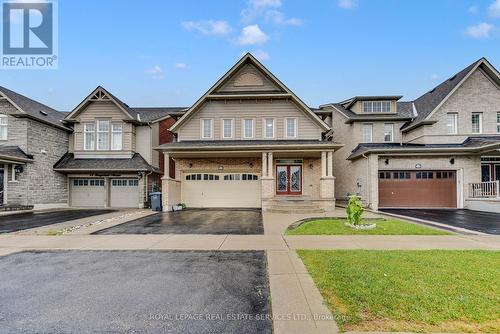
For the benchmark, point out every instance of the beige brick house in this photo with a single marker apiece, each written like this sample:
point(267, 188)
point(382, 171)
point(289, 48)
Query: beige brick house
point(250, 142)
point(440, 150)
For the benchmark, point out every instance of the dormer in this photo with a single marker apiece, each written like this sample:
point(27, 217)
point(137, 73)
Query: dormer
point(369, 105)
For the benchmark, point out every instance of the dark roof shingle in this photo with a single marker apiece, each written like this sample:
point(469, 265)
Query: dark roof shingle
point(14, 152)
point(136, 163)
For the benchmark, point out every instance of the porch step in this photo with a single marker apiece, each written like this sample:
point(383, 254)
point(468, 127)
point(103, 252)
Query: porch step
point(295, 210)
point(294, 205)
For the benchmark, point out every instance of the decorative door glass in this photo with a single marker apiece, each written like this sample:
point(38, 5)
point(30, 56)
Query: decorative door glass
point(282, 179)
point(295, 179)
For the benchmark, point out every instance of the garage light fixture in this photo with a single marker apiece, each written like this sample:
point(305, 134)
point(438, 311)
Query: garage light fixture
point(452, 161)
point(221, 167)
point(386, 161)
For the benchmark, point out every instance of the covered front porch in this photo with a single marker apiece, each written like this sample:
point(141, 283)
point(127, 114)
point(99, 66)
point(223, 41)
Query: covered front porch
point(249, 175)
point(13, 178)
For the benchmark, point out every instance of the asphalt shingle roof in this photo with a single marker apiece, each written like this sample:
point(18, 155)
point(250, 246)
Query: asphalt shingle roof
point(154, 113)
point(404, 111)
point(136, 163)
point(14, 152)
point(34, 108)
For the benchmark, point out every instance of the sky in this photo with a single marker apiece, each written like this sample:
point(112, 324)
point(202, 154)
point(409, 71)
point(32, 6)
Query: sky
point(169, 53)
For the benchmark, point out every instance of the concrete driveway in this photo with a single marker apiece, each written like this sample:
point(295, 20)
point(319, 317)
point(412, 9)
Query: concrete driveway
point(194, 221)
point(485, 222)
point(27, 220)
point(134, 292)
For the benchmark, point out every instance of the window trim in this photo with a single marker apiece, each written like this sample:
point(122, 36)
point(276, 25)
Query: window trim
point(243, 127)
point(112, 132)
point(202, 128)
point(365, 125)
point(264, 127)
point(296, 127)
point(222, 128)
point(85, 133)
point(480, 114)
point(392, 132)
point(108, 148)
point(6, 125)
point(455, 123)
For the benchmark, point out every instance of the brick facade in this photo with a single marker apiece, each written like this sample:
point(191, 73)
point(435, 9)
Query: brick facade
point(166, 137)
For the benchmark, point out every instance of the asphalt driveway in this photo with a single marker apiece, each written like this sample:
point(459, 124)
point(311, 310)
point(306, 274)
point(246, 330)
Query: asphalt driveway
point(134, 292)
point(194, 221)
point(27, 220)
point(486, 222)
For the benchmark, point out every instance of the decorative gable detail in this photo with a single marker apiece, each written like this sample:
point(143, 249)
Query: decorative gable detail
point(248, 79)
point(100, 96)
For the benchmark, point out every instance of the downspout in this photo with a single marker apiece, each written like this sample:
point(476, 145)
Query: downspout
point(368, 184)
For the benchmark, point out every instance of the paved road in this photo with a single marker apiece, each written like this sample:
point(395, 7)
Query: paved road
point(23, 221)
point(134, 292)
point(486, 222)
point(194, 221)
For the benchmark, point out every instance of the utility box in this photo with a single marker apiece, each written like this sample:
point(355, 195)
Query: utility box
point(155, 201)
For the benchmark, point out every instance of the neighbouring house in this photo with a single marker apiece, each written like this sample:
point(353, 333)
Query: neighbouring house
point(110, 161)
point(249, 141)
point(440, 150)
point(32, 139)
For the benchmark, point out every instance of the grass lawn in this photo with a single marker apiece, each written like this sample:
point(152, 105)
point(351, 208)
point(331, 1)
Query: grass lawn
point(387, 227)
point(438, 290)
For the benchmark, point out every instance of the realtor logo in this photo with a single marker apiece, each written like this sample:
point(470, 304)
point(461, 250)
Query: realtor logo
point(29, 35)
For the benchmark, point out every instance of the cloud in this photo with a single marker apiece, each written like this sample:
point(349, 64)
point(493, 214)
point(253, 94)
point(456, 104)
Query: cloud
point(494, 9)
point(156, 72)
point(278, 18)
point(256, 8)
point(348, 4)
point(252, 35)
point(434, 77)
point(181, 66)
point(210, 27)
point(261, 55)
point(482, 30)
point(473, 9)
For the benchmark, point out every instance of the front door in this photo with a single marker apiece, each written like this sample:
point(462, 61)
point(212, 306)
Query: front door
point(288, 180)
point(1, 186)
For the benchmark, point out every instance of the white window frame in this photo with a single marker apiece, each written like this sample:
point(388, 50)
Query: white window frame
point(243, 128)
point(112, 139)
point(13, 174)
point(4, 124)
point(391, 125)
point(231, 121)
point(202, 128)
point(264, 127)
point(498, 121)
point(452, 123)
point(86, 133)
point(480, 122)
point(106, 148)
point(379, 104)
point(295, 121)
point(370, 127)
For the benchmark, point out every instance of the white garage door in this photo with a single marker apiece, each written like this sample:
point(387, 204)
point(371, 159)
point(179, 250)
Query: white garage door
point(124, 193)
point(87, 192)
point(221, 190)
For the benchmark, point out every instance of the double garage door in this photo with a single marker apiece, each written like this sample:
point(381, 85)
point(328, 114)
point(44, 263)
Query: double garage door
point(417, 189)
point(221, 190)
point(123, 193)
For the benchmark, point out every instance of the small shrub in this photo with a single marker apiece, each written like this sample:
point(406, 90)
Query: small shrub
point(53, 232)
point(354, 210)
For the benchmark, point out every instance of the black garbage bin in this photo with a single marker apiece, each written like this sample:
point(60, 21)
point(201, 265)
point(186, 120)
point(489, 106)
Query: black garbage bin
point(155, 201)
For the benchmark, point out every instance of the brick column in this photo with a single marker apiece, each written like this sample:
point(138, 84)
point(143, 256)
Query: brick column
point(265, 172)
point(323, 164)
point(166, 166)
point(329, 171)
point(270, 167)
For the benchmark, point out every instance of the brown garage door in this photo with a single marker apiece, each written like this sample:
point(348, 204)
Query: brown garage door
point(417, 189)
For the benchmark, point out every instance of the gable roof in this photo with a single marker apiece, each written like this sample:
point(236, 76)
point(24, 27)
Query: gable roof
point(101, 94)
point(428, 103)
point(34, 109)
point(248, 58)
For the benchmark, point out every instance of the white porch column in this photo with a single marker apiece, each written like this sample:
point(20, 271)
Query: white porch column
point(264, 165)
point(329, 171)
point(323, 164)
point(166, 166)
point(270, 169)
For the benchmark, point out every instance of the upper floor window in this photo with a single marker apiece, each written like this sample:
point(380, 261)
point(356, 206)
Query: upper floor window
point(248, 128)
point(498, 122)
point(269, 128)
point(116, 137)
point(3, 127)
point(377, 106)
point(227, 128)
point(103, 135)
point(388, 132)
point(207, 128)
point(367, 133)
point(477, 122)
point(290, 127)
point(451, 123)
point(89, 136)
